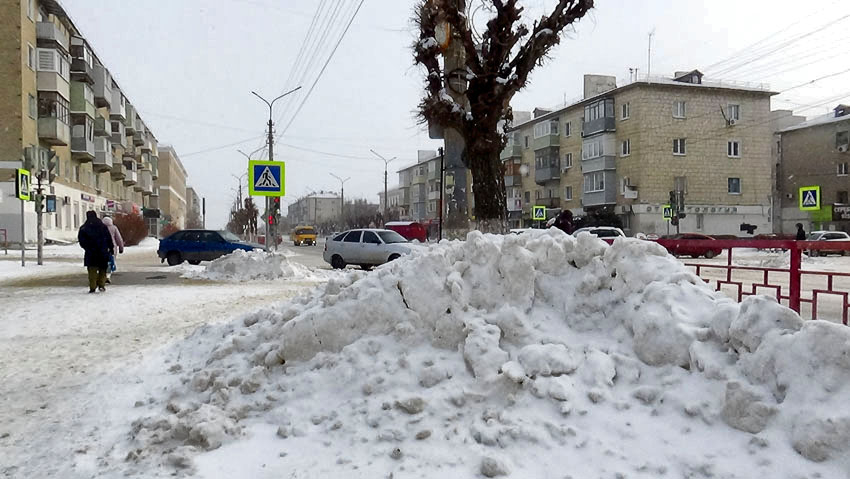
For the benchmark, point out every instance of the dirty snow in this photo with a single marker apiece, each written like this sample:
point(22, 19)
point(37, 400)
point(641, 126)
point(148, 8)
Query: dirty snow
point(249, 266)
point(534, 355)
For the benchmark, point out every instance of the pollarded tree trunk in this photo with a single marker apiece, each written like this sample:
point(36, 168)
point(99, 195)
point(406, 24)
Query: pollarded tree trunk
point(488, 182)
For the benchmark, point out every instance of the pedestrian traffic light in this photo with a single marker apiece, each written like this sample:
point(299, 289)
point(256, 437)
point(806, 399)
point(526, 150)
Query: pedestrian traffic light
point(271, 220)
point(674, 220)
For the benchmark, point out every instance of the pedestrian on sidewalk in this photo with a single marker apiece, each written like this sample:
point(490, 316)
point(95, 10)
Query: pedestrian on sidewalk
point(117, 245)
point(95, 239)
point(564, 221)
point(801, 235)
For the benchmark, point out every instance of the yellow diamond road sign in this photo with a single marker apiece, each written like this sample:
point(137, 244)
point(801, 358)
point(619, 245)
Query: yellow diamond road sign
point(22, 184)
point(809, 198)
point(538, 213)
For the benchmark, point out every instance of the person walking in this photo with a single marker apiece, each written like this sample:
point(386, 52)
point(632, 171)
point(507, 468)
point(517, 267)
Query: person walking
point(801, 235)
point(95, 239)
point(117, 245)
point(564, 221)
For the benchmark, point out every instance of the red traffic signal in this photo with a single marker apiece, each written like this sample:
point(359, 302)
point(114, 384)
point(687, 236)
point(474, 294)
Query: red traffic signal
point(271, 219)
point(277, 199)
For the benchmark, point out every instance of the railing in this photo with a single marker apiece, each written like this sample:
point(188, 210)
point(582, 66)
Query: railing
point(762, 281)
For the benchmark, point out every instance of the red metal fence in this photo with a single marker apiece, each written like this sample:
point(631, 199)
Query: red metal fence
point(793, 292)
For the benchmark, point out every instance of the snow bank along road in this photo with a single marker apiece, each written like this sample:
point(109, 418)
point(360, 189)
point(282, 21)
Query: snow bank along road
point(56, 340)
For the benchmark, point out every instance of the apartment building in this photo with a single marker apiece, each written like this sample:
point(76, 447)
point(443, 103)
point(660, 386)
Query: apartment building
point(816, 153)
point(171, 185)
point(395, 207)
point(56, 94)
point(622, 149)
point(194, 212)
point(315, 209)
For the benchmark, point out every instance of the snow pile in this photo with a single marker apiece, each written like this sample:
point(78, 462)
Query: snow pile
point(250, 265)
point(534, 355)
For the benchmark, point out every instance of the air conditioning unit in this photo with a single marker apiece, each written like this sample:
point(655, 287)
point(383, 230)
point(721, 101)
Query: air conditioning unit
point(842, 148)
point(731, 122)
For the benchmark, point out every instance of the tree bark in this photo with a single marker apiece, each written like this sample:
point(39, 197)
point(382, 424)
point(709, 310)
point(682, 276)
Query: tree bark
point(488, 180)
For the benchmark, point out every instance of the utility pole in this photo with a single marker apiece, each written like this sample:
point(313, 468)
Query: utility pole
point(270, 142)
point(239, 179)
point(341, 196)
point(442, 188)
point(649, 56)
point(39, 229)
point(386, 163)
point(204, 212)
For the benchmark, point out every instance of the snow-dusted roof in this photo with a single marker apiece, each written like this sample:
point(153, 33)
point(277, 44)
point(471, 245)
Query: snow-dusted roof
point(818, 120)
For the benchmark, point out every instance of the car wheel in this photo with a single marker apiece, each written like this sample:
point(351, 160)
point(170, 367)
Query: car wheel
point(695, 256)
point(195, 261)
point(366, 267)
point(294, 243)
point(814, 252)
point(337, 262)
point(174, 258)
point(710, 254)
point(393, 257)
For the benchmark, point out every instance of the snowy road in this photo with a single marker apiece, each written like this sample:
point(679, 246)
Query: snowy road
point(55, 340)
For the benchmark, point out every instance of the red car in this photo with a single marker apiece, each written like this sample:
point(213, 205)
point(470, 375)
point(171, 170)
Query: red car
point(679, 245)
point(411, 230)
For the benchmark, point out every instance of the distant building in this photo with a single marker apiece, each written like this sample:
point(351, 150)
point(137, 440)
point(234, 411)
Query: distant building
point(621, 150)
point(172, 187)
point(193, 206)
point(315, 209)
point(816, 153)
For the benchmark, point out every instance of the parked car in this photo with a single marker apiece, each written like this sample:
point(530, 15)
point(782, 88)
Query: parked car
point(684, 247)
point(195, 246)
point(303, 235)
point(827, 236)
point(365, 248)
point(601, 231)
point(409, 229)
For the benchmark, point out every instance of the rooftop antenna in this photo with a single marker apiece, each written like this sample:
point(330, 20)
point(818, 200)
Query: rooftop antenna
point(649, 55)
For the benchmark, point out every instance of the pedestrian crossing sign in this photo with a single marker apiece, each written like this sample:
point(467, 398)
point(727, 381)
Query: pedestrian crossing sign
point(22, 184)
point(266, 178)
point(810, 198)
point(667, 212)
point(538, 213)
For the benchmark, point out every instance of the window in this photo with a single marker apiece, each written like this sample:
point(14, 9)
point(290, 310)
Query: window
point(734, 187)
point(700, 221)
point(734, 112)
point(680, 183)
point(568, 128)
point(842, 169)
point(370, 237)
point(625, 111)
point(527, 196)
point(679, 109)
point(679, 146)
point(31, 9)
point(592, 149)
point(568, 193)
point(31, 56)
point(546, 128)
point(33, 107)
point(733, 149)
point(594, 181)
point(537, 195)
point(841, 198)
point(526, 141)
point(626, 148)
point(599, 109)
point(77, 177)
point(568, 160)
point(842, 138)
point(546, 158)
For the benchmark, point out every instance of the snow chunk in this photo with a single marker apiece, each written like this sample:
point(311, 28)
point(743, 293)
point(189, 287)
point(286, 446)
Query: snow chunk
point(547, 360)
point(252, 265)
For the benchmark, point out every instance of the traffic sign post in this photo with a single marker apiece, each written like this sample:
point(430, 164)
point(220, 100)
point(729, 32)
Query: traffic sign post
point(266, 178)
point(809, 198)
point(22, 191)
point(667, 212)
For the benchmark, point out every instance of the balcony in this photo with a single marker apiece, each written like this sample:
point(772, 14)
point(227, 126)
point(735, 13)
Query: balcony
point(117, 108)
point(54, 131)
point(154, 167)
point(80, 100)
point(130, 121)
point(599, 125)
point(53, 82)
point(547, 141)
point(102, 127)
point(118, 170)
point(433, 174)
point(153, 201)
point(417, 180)
point(130, 176)
point(82, 148)
point(606, 195)
point(147, 145)
point(81, 71)
point(146, 182)
point(119, 135)
point(138, 138)
point(599, 163)
point(511, 151)
point(102, 87)
point(102, 155)
point(48, 35)
point(434, 195)
point(514, 204)
point(513, 180)
point(548, 202)
point(547, 173)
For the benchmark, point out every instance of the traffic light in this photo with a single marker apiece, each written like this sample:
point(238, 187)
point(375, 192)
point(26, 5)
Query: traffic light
point(674, 220)
point(271, 220)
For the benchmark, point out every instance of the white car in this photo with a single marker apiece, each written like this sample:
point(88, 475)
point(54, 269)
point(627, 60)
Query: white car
point(827, 236)
point(365, 248)
point(601, 231)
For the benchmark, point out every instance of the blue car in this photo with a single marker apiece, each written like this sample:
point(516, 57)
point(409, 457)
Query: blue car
point(195, 246)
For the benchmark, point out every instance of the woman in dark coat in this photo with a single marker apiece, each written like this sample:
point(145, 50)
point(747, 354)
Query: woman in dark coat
point(95, 239)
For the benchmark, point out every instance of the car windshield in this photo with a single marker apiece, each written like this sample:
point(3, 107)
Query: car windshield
point(228, 236)
point(390, 237)
point(305, 231)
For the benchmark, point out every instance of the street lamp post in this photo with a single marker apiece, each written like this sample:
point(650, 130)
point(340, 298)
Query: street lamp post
point(341, 198)
point(270, 142)
point(386, 163)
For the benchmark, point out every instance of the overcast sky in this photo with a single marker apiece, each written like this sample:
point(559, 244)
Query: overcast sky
point(189, 67)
